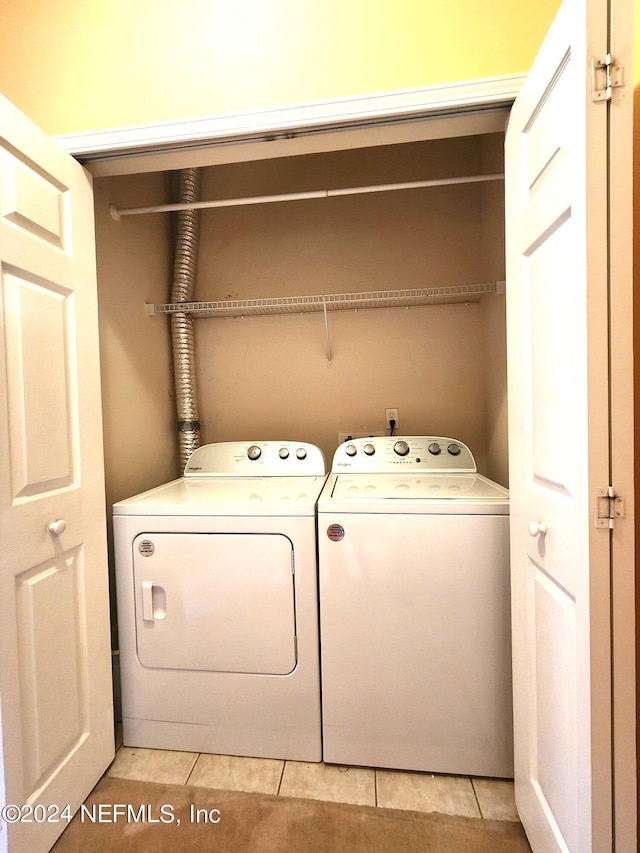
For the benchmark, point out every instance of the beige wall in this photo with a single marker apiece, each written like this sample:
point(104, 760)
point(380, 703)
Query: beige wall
point(268, 378)
point(495, 363)
point(74, 66)
point(134, 266)
point(259, 378)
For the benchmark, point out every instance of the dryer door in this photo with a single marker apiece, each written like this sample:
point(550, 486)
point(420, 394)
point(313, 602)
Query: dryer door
point(215, 601)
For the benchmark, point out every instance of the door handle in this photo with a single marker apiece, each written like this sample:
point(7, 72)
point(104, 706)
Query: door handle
point(537, 528)
point(147, 601)
point(154, 602)
point(57, 527)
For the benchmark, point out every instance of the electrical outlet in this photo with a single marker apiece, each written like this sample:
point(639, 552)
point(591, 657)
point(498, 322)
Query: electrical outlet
point(391, 415)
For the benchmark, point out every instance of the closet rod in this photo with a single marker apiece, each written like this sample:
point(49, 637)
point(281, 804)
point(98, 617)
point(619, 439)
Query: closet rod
point(117, 212)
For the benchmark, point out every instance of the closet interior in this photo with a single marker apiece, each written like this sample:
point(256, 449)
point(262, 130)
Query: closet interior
point(312, 315)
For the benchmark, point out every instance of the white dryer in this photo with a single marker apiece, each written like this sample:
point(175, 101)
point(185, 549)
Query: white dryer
point(216, 578)
point(415, 609)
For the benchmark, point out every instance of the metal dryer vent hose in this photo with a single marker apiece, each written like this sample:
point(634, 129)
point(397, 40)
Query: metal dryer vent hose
point(182, 335)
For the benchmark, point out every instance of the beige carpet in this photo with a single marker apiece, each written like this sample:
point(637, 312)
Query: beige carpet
point(259, 823)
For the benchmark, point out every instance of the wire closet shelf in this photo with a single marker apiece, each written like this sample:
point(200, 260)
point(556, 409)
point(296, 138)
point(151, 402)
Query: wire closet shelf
point(448, 295)
point(324, 303)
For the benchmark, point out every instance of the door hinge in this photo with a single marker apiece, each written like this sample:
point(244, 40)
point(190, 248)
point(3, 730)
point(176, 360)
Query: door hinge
point(606, 74)
point(609, 506)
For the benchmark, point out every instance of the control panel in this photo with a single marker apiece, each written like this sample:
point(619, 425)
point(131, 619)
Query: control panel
point(256, 459)
point(414, 452)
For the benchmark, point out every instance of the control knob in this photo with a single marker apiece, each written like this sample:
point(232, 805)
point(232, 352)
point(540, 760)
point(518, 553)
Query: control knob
point(401, 448)
point(350, 450)
point(301, 453)
point(454, 449)
point(283, 453)
point(434, 448)
point(254, 452)
point(369, 449)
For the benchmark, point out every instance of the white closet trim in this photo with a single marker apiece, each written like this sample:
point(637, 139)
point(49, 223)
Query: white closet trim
point(294, 120)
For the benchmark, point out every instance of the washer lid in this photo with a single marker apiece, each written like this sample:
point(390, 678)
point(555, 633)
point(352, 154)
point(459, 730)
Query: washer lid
point(227, 496)
point(442, 493)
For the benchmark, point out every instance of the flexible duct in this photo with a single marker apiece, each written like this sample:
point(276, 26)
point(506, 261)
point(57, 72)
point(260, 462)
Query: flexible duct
point(182, 334)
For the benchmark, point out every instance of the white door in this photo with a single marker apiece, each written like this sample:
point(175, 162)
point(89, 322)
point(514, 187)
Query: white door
point(55, 674)
point(215, 602)
point(558, 361)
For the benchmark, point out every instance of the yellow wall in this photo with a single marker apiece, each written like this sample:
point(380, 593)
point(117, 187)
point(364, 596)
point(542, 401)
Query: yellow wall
point(75, 65)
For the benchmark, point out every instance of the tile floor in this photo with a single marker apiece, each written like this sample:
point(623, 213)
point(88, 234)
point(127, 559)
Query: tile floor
point(491, 799)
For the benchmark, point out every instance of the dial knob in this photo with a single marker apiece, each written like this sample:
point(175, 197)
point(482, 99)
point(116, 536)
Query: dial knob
point(401, 448)
point(283, 453)
point(254, 452)
point(301, 453)
point(454, 449)
point(369, 449)
point(350, 450)
point(434, 448)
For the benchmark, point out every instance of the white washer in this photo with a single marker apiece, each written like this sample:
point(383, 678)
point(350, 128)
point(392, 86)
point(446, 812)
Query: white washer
point(414, 609)
point(217, 604)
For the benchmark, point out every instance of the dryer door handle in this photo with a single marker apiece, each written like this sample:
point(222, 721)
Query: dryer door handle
point(147, 601)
